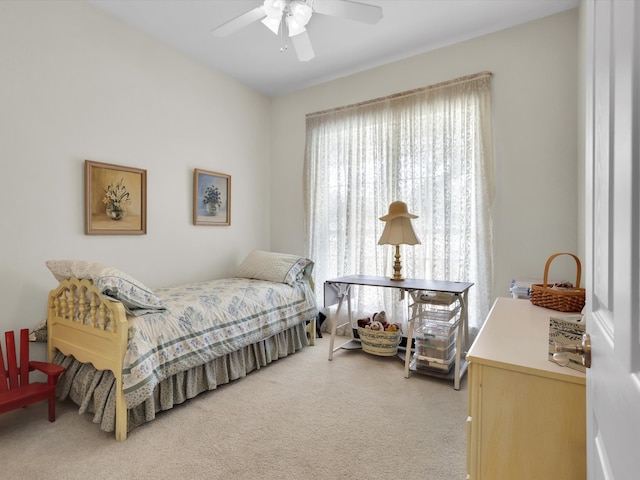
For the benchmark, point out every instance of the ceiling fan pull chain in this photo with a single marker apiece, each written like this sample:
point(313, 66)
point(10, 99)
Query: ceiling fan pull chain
point(283, 38)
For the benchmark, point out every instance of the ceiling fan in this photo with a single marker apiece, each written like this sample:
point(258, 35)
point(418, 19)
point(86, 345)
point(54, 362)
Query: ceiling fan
point(293, 16)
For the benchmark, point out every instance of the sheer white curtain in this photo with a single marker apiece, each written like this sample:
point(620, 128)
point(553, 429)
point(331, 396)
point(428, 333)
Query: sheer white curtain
point(430, 148)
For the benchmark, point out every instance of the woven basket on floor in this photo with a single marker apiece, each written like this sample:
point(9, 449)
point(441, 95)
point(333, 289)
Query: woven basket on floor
point(379, 342)
point(563, 300)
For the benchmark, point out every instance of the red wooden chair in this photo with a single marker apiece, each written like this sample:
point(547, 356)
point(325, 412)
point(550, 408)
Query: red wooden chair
point(15, 389)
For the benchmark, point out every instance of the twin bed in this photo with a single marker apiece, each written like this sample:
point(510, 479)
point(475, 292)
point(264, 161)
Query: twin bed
point(130, 352)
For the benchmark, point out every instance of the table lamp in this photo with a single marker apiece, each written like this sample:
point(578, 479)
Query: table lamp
point(398, 231)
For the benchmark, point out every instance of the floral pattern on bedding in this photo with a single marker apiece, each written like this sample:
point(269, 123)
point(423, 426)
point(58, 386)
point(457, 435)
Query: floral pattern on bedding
point(206, 320)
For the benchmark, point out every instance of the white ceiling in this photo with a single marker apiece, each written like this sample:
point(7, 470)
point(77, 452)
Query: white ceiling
point(342, 47)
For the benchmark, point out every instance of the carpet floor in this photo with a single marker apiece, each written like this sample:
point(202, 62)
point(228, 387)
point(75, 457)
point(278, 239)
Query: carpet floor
point(302, 417)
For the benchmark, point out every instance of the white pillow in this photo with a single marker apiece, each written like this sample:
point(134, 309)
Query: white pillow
point(113, 283)
point(275, 267)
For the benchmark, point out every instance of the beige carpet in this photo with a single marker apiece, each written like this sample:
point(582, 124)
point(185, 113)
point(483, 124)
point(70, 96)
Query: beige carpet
point(302, 417)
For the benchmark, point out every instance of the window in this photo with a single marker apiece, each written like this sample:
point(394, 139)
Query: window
point(430, 148)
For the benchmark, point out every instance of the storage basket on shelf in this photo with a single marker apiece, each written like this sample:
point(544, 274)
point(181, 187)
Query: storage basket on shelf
point(561, 299)
point(379, 342)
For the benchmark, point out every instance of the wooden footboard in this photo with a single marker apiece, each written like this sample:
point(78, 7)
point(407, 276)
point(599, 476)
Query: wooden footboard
point(84, 323)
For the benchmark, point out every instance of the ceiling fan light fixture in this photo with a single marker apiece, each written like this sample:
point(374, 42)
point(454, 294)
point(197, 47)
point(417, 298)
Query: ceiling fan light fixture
point(297, 17)
point(294, 15)
point(301, 12)
point(294, 27)
point(274, 8)
point(272, 24)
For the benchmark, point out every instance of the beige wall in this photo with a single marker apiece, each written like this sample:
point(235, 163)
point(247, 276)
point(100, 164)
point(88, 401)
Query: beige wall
point(535, 125)
point(76, 84)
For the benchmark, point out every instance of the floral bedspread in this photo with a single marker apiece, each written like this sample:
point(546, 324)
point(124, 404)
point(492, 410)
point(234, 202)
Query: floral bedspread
point(206, 320)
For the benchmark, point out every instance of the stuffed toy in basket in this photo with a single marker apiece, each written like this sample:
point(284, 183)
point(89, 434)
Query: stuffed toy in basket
point(378, 337)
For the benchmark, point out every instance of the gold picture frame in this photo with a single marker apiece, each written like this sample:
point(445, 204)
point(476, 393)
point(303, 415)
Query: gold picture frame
point(115, 199)
point(211, 198)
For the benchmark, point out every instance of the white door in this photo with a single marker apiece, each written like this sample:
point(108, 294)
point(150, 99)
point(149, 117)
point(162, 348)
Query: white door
point(612, 121)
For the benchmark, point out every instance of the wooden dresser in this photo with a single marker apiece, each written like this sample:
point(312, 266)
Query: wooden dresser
point(527, 416)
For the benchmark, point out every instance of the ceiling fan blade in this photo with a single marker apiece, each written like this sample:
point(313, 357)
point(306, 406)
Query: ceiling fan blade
point(360, 12)
point(303, 47)
point(239, 22)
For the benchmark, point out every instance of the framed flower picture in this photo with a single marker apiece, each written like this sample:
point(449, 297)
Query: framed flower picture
point(211, 198)
point(115, 199)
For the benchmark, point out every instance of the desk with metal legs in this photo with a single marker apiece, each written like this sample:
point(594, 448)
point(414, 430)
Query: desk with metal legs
point(338, 290)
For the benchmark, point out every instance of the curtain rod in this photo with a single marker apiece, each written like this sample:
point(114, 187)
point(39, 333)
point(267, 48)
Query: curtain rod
point(435, 86)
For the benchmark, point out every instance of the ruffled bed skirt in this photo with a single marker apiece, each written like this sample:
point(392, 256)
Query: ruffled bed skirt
point(94, 390)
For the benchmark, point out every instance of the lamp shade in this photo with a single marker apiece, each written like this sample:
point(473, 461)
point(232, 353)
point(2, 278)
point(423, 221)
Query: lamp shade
point(398, 231)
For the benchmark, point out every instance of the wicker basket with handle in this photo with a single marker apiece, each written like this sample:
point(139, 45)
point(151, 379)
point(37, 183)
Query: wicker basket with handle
point(561, 299)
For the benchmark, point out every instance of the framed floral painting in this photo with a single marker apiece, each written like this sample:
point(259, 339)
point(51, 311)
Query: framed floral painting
point(211, 198)
point(115, 199)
